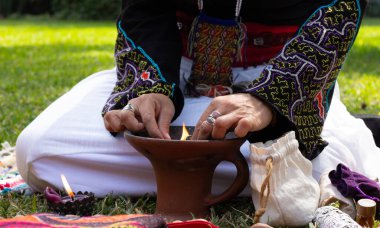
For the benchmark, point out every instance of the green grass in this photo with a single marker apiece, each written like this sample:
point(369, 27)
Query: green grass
point(360, 77)
point(42, 59)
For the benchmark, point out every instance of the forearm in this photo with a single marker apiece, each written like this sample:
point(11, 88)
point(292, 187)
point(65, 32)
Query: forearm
point(299, 82)
point(147, 54)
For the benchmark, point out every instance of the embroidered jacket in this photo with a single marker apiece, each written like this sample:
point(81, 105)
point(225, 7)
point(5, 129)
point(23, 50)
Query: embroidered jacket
point(297, 83)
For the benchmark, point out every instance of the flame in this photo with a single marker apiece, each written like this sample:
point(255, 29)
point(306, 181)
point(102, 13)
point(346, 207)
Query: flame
point(67, 186)
point(185, 133)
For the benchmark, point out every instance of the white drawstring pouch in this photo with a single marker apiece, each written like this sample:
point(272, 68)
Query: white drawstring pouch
point(284, 191)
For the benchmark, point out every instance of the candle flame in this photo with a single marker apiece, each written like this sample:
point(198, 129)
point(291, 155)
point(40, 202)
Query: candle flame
point(67, 187)
point(185, 133)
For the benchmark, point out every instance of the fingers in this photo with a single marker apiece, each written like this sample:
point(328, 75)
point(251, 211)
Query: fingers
point(130, 121)
point(223, 124)
point(119, 120)
point(201, 125)
point(243, 127)
point(204, 131)
point(154, 112)
point(163, 110)
point(147, 113)
point(164, 120)
point(112, 121)
point(242, 113)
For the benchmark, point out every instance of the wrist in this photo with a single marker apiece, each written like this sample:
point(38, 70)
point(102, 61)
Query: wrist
point(274, 118)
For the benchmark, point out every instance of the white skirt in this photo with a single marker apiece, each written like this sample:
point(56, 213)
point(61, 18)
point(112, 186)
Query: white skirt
point(69, 138)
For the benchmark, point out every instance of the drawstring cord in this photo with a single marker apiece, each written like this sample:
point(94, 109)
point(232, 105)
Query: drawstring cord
point(265, 187)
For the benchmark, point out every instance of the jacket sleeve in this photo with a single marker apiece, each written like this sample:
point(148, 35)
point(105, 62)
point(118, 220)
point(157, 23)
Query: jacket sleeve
point(147, 53)
point(299, 82)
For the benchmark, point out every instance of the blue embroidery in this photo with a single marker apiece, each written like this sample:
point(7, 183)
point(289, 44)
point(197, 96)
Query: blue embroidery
point(125, 35)
point(142, 51)
point(152, 62)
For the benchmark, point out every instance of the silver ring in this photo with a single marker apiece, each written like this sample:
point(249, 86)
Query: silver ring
point(210, 119)
point(129, 107)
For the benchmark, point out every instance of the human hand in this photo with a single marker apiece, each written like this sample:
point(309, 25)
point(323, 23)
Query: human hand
point(152, 112)
point(242, 112)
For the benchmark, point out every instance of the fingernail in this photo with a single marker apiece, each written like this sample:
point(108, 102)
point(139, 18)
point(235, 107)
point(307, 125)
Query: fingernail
point(167, 136)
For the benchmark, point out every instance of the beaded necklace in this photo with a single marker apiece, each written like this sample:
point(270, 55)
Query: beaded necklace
point(214, 45)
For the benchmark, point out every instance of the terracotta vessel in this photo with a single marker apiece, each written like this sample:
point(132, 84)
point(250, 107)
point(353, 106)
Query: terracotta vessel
point(184, 171)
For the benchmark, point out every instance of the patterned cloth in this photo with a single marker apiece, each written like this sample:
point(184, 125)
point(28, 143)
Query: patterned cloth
point(10, 179)
point(299, 82)
point(54, 220)
point(129, 221)
point(213, 46)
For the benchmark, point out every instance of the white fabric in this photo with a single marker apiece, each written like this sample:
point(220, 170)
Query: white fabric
point(69, 137)
point(328, 190)
point(331, 217)
point(350, 143)
point(294, 193)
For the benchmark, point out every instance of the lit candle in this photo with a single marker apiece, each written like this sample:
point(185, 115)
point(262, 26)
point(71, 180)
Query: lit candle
point(80, 203)
point(67, 187)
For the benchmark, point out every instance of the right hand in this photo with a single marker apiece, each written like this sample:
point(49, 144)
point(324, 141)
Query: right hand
point(153, 112)
point(241, 112)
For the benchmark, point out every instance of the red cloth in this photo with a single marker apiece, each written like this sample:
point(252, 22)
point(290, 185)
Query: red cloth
point(265, 42)
point(192, 224)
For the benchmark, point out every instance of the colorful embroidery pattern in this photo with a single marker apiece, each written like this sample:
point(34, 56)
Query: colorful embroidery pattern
point(214, 48)
point(297, 82)
point(54, 220)
point(137, 74)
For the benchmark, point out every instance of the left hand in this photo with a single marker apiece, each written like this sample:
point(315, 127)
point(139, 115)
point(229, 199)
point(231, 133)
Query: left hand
point(151, 112)
point(241, 112)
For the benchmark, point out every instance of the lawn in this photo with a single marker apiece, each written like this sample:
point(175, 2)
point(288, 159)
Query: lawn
point(42, 59)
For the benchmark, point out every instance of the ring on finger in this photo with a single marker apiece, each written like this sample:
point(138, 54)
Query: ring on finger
point(129, 107)
point(210, 120)
point(212, 117)
point(215, 114)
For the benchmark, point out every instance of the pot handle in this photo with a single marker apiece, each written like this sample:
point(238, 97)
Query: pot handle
point(239, 183)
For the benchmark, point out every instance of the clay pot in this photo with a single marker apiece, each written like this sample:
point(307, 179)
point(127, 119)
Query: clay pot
point(184, 171)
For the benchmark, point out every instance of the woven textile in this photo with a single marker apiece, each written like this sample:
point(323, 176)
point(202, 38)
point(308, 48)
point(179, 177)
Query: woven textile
point(10, 179)
point(54, 220)
point(213, 45)
point(129, 221)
